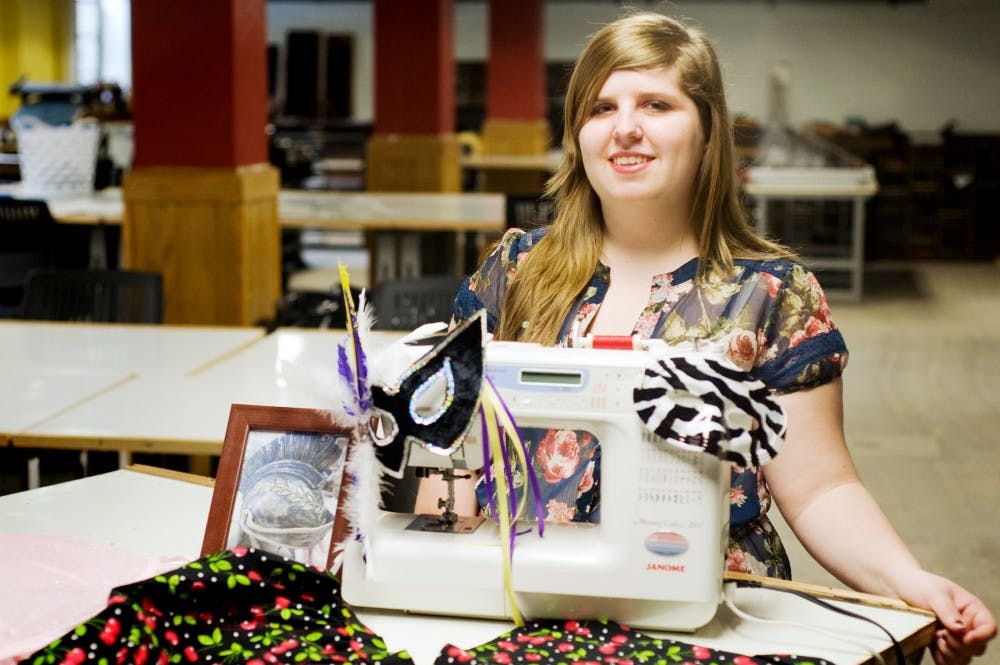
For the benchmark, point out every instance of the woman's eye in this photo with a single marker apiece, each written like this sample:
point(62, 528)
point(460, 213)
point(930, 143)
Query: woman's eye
point(657, 106)
point(600, 109)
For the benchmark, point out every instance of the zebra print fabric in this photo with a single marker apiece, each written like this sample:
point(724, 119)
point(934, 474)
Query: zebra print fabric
point(702, 402)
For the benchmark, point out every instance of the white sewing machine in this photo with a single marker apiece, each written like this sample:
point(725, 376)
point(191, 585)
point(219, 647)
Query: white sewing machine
point(655, 560)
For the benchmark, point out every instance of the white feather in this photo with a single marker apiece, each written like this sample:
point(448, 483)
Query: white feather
point(364, 493)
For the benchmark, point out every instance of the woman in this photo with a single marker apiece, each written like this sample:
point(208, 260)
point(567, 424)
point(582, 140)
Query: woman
point(649, 238)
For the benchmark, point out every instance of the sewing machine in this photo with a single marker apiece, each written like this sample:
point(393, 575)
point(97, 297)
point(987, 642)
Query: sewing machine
point(655, 559)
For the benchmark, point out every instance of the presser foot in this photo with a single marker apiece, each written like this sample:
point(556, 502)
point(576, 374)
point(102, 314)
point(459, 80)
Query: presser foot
point(445, 523)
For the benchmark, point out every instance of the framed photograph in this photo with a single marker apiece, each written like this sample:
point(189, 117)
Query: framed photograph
point(279, 484)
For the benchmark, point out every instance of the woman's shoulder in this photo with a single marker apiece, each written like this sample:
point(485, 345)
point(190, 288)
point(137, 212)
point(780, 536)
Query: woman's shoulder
point(487, 285)
point(522, 240)
point(511, 247)
point(779, 275)
point(776, 267)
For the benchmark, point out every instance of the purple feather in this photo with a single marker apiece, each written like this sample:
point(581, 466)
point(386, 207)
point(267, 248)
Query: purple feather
point(347, 374)
point(364, 392)
point(360, 382)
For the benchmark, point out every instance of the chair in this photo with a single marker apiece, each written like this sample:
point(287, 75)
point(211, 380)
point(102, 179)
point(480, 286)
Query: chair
point(27, 241)
point(529, 210)
point(109, 296)
point(405, 304)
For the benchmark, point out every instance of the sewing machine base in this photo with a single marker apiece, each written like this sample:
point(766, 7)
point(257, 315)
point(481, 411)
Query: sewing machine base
point(460, 574)
point(438, 524)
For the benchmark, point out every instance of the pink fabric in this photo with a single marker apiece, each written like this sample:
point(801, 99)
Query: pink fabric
point(51, 584)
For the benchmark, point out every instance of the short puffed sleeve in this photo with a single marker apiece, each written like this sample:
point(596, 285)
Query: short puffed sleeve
point(486, 287)
point(802, 347)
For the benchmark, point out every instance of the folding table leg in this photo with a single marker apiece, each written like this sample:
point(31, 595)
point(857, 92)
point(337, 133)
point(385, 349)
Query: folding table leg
point(385, 257)
point(409, 255)
point(34, 473)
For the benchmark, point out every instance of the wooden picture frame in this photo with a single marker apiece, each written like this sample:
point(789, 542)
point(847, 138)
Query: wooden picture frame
point(280, 484)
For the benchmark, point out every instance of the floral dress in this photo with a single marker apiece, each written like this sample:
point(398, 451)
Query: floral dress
point(770, 316)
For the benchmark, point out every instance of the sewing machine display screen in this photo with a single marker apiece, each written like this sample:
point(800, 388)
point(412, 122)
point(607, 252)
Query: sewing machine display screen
point(551, 378)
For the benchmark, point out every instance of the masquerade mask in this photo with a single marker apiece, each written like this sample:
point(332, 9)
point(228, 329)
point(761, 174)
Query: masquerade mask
point(698, 402)
point(434, 401)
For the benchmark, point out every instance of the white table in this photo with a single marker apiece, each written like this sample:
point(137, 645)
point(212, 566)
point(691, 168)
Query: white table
point(392, 211)
point(170, 521)
point(393, 219)
point(396, 211)
point(29, 396)
point(133, 348)
point(856, 185)
point(548, 161)
point(404, 215)
point(187, 413)
point(49, 369)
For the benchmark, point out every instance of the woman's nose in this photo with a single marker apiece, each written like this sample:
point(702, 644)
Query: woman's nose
point(627, 128)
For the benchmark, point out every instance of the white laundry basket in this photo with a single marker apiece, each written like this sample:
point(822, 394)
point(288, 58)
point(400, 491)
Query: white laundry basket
point(56, 162)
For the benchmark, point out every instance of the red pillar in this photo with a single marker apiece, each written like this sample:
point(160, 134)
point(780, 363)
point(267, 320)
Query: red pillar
point(199, 74)
point(515, 76)
point(414, 67)
point(515, 121)
point(413, 146)
point(201, 199)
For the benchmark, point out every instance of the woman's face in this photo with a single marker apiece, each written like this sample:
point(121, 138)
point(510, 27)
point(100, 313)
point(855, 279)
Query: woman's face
point(643, 140)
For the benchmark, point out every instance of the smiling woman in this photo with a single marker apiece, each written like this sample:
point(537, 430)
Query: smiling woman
point(649, 239)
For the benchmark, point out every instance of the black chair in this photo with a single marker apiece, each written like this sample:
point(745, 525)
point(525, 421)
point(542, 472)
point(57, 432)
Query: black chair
point(27, 242)
point(108, 296)
point(529, 210)
point(405, 304)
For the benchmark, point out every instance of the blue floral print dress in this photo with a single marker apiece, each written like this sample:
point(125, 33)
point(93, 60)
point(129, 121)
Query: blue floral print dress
point(770, 316)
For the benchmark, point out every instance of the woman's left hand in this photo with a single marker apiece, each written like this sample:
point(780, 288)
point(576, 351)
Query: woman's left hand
point(966, 625)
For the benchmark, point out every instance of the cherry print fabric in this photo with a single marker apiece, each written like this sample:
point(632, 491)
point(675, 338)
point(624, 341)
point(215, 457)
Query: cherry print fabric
point(241, 606)
point(559, 642)
point(248, 606)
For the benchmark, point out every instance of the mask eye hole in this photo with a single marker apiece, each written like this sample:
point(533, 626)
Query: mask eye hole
point(382, 428)
point(433, 397)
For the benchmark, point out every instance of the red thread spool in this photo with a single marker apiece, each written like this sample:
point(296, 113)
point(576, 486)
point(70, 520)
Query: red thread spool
point(621, 342)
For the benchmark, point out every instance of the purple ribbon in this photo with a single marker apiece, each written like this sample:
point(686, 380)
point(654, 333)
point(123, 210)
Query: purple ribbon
point(508, 473)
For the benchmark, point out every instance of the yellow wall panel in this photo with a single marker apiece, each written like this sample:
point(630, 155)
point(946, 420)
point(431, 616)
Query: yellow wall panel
point(36, 41)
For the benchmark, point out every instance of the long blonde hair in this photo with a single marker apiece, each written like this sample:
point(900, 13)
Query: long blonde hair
point(552, 276)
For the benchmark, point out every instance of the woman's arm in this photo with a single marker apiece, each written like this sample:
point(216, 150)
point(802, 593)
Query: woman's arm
point(817, 488)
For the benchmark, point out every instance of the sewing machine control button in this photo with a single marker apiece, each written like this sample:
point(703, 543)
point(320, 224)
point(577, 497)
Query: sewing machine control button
point(667, 543)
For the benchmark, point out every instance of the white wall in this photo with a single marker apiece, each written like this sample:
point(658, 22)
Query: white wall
point(920, 64)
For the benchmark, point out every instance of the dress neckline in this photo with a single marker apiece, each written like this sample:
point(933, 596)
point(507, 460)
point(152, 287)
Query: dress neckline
point(684, 272)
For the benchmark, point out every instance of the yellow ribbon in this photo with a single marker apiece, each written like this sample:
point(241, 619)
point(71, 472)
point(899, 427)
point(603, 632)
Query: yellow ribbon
point(496, 417)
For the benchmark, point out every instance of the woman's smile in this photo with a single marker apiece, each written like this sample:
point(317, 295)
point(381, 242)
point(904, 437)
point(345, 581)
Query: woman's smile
point(630, 162)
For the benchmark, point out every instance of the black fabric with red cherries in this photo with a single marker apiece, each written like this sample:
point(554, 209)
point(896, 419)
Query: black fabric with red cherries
point(598, 642)
point(248, 606)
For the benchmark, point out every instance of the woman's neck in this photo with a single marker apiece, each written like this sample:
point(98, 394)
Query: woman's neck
point(647, 240)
